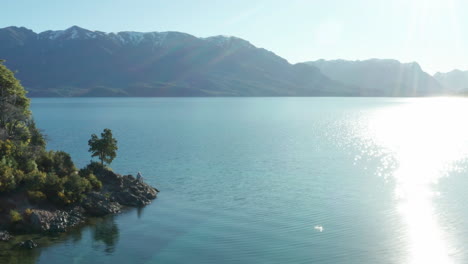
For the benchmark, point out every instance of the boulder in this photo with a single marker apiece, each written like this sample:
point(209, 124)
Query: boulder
point(126, 190)
point(98, 204)
point(5, 236)
point(54, 221)
point(133, 192)
point(28, 244)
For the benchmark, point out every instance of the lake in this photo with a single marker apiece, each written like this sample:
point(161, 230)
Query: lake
point(273, 180)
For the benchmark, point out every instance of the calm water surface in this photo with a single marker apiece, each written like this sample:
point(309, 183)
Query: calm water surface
point(274, 180)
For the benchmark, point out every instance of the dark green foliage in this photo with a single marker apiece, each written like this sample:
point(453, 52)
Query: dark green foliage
point(35, 180)
point(53, 183)
point(45, 162)
point(36, 196)
point(25, 165)
point(96, 184)
point(9, 178)
point(63, 164)
point(58, 162)
point(88, 173)
point(15, 216)
point(37, 139)
point(105, 148)
point(93, 167)
point(75, 186)
point(14, 107)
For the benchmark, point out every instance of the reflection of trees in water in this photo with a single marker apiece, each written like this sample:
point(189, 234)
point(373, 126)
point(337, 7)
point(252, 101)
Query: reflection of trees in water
point(76, 235)
point(16, 256)
point(10, 253)
point(104, 232)
point(107, 232)
point(139, 212)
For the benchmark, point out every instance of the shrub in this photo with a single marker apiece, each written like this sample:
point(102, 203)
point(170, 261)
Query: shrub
point(45, 162)
point(88, 173)
point(93, 167)
point(8, 178)
point(63, 164)
point(27, 213)
point(62, 198)
point(53, 183)
point(15, 216)
point(37, 139)
point(36, 196)
point(75, 186)
point(35, 180)
point(6, 148)
point(95, 183)
point(21, 132)
point(29, 166)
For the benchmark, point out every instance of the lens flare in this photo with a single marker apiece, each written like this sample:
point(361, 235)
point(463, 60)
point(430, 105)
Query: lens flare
point(426, 138)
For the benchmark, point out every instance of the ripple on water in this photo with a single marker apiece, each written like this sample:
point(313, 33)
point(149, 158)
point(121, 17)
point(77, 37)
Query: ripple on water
point(246, 180)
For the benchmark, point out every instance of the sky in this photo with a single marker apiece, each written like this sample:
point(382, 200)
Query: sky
point(429, 32)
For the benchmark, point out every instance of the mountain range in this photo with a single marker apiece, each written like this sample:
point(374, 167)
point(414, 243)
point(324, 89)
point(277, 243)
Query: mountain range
point(80, 62)
point(382, 77)
point(455, 81)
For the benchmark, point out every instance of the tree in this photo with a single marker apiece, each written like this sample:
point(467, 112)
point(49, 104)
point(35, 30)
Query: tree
point(14, 105)
point(25, 165)
point(105, 148)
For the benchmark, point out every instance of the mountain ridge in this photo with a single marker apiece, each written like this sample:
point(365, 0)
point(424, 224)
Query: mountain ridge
point(455, 81)
point(382, 77)
point(80, 62)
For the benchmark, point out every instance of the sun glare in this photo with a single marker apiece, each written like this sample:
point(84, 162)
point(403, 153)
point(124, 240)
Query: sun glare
point(426, 139)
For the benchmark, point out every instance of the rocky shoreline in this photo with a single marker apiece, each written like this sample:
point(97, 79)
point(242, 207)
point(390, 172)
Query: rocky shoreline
point(117, 193)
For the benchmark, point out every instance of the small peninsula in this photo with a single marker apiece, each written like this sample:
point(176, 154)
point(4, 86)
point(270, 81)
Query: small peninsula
point(42, 191)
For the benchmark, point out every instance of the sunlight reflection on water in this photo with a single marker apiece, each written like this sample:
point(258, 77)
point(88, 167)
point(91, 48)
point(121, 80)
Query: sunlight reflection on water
point(426, 139)
point(292, 167)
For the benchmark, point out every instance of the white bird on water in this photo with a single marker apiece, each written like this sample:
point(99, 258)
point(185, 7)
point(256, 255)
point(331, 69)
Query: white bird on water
point(318, 228)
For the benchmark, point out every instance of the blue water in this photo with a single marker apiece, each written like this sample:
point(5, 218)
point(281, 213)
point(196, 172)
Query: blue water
point(274, 180)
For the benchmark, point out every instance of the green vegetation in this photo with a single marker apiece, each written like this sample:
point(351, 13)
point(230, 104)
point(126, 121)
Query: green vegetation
point(104, 148)
point(25, 164)
point(15, 216)
point(36, 196)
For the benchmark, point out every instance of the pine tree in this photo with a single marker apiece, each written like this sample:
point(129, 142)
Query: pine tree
point(105, 148)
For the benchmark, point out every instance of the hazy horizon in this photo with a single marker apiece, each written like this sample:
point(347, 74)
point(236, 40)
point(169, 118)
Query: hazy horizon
point(427, 32)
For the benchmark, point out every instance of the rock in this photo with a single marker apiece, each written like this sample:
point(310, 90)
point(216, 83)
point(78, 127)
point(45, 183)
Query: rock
point(126, 190)
point(54, 221)
point(117, 191)
point(28, 244)
point(5, 236)
point(133, 192)
point(107, 176)
point(98, 204)
point(40, 220)
point(128, 199)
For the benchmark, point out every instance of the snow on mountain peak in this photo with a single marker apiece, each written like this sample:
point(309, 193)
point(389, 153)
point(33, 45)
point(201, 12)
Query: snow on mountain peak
point(223, 41)
point(137, 38)
point(51, 34)
point(73, 32)
point(130, 37)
